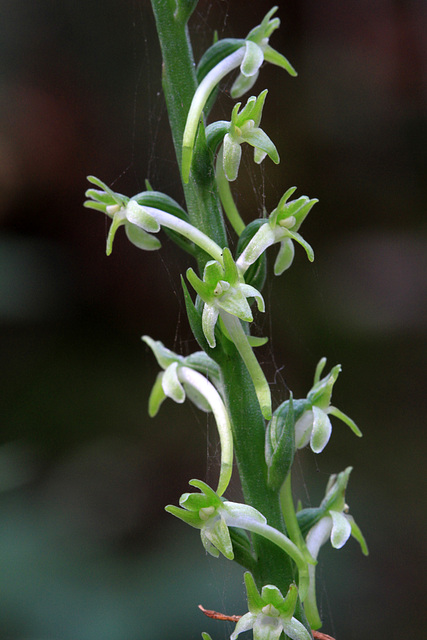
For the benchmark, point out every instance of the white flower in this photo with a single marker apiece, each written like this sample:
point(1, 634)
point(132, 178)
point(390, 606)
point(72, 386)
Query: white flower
point(270, 613)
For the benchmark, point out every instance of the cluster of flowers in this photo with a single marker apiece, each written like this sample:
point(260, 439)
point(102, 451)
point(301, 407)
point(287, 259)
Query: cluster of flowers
point(224, 298)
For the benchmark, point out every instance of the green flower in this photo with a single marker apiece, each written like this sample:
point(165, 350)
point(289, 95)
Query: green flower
point(257, 49)
point(145, 214)
point(248, 54)
point(332, 522)
point(213, 516)
point(281, 227)
point(270, 614)
point(223, 291)
point(224, 294)
point(244, 127)
point(314, 425)
point(116, 207)
point(186, 377)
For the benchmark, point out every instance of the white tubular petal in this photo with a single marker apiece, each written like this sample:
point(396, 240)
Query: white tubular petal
point(206, 389)
point(321, 431)
point(187, 231)
point(278, 538)
point(238, 510)
point(341, 529)
point(263, 239)
point(141, 216)
point(200, 98)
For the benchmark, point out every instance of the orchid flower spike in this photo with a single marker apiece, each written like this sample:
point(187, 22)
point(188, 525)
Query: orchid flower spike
point(270, 614)
point(314, 426)
point(145, 214)
point(248, 54)
point(224, 294)
point(331, 521)
point(186, 377)
point(281, 227)
point(213, 516)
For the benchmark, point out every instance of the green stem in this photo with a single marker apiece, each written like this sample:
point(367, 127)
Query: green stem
point(179, 85)
point(273, 566)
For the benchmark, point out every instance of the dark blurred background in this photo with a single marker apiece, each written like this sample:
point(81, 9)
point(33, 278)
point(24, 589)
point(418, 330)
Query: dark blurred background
point(86, 549)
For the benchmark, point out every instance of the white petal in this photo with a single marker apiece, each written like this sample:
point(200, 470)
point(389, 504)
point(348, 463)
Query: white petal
point(296, 630)
point(245, 623)
point(252, 60)
point(341, 529)
point(318, 535)
point(209, 318)
point(171, 385)
point(322, 430)
point(303, 429)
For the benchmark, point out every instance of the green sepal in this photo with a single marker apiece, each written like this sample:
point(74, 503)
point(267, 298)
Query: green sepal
point(215, 133)
point(115, 197)
point(305, 245)
point(200, 361)
point(159, 200)
point(256, 274)
point(358, 535)
point(273, 56)
point(202, 289)
point(255, 341)
point(138, 237)
point(259, 139)
point(217, 52)
point(307, 518)
point(201, 165)
point(255, 602)
point(164, 356)
point(280, 444)
point(157, 396)
point(265, 28)
point(321, 392)
point(333, 411)
point(189, 517)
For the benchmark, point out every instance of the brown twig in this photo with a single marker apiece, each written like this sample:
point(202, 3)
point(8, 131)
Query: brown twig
point(222, 616)
point(218, 616)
